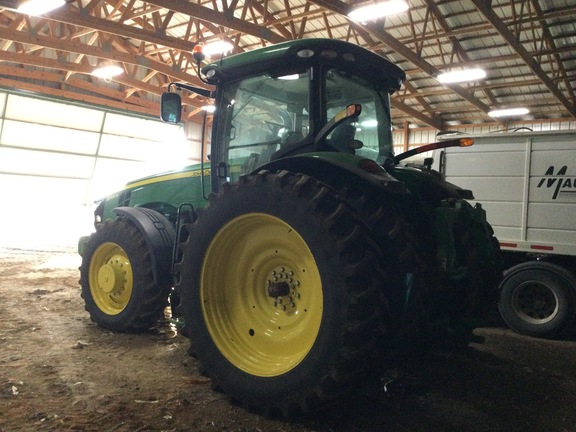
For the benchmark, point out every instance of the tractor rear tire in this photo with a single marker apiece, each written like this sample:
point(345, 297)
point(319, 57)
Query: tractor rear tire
point(280, 288)
point(117, 281)
point(538, 299)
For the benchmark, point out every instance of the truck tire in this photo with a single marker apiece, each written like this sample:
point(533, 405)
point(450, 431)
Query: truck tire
point(118, 285)
point(280, 292)
point(537, 298)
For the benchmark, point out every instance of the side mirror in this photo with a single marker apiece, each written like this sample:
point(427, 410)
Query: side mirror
point(171, 107)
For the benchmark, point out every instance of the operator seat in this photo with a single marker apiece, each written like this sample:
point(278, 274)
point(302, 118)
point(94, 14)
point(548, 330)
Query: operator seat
point(342, 136)
point(291, 137)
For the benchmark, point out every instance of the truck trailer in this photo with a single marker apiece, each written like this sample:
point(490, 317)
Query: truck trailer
point(526, 182)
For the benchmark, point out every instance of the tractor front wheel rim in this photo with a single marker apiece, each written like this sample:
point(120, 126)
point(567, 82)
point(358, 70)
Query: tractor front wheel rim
point(111, 278)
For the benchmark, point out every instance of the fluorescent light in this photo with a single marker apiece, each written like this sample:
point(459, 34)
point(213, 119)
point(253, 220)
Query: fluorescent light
point(107, 71)
point(374, 11)
point(289, 77)
point(39, 7)
point(509, 112)
point(218, 47)
point(209, 108)
point(461, 76)
point(371, 123)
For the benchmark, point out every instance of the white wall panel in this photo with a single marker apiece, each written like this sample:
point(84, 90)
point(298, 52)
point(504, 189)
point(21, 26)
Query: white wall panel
point(117, 146)
point(162, 155)
point(42, 193)
point(428, 135)
point(193, 136)
point(54, 218)
point(53, 113)
point(118, 124)
point(110, 175)
point(40, 163)
point(3, 97)
point(63, 157)
point(38, 136)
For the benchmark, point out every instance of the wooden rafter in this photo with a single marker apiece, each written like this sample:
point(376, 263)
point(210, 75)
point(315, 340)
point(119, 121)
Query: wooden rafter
point(526, 46)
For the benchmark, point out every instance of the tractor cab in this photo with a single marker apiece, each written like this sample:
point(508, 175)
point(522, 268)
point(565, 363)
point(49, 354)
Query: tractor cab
point(316, 97)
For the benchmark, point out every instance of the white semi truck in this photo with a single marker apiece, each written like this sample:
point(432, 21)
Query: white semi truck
point(526, 182)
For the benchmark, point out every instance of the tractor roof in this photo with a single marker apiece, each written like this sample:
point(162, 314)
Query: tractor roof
point(300, 53)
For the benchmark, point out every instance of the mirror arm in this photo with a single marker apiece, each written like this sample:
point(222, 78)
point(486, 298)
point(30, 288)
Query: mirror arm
point(198, 90)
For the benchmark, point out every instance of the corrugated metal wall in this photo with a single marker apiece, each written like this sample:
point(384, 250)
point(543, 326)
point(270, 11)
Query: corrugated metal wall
point(420, 136)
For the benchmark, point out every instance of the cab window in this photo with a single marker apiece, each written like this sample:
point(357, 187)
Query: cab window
point(263, 114)
point(372, 128)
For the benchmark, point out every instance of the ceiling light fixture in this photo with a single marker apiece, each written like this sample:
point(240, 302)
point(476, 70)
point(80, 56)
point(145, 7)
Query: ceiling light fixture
point(107, 72)
point(217, 47)
point(371, 12)
point(370, 123)
point(290, 77)
point(39, 7)
point(464, 75)
point(509, 112)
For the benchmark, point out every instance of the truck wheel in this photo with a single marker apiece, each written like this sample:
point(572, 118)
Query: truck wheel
point(537, 298)
point(117, 281)
point(279, 285)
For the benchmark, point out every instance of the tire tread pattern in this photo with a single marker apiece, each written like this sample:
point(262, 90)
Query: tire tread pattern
point(361, 265)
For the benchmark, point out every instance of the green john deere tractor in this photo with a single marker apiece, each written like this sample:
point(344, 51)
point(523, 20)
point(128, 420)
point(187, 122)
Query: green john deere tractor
point(306, 251)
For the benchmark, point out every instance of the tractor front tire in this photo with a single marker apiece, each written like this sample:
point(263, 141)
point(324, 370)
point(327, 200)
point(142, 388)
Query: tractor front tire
point(117, 281)
point(280, 291)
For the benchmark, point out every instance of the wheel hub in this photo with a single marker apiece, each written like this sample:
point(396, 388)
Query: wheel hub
point(106, 278)
point(277, 289)
point(536, 302)
point(111, 276)
point(283, 289)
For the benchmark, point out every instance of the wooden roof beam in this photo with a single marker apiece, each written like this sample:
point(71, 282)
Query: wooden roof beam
point(219, 18)
point(71, 15)
point(485, 9)
point(376, 30)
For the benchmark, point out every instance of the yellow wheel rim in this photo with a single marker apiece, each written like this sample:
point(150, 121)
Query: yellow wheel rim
point(110, 278)
point(261, 294)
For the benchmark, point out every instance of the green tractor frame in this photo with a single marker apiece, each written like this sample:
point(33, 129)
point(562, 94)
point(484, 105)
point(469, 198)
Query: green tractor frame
point(305, 253)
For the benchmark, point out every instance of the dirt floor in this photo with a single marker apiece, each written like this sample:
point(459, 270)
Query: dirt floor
point(61, 372)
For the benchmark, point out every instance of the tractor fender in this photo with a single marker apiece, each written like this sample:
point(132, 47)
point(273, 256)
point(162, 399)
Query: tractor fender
point(159, 234)
point(325, 169)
